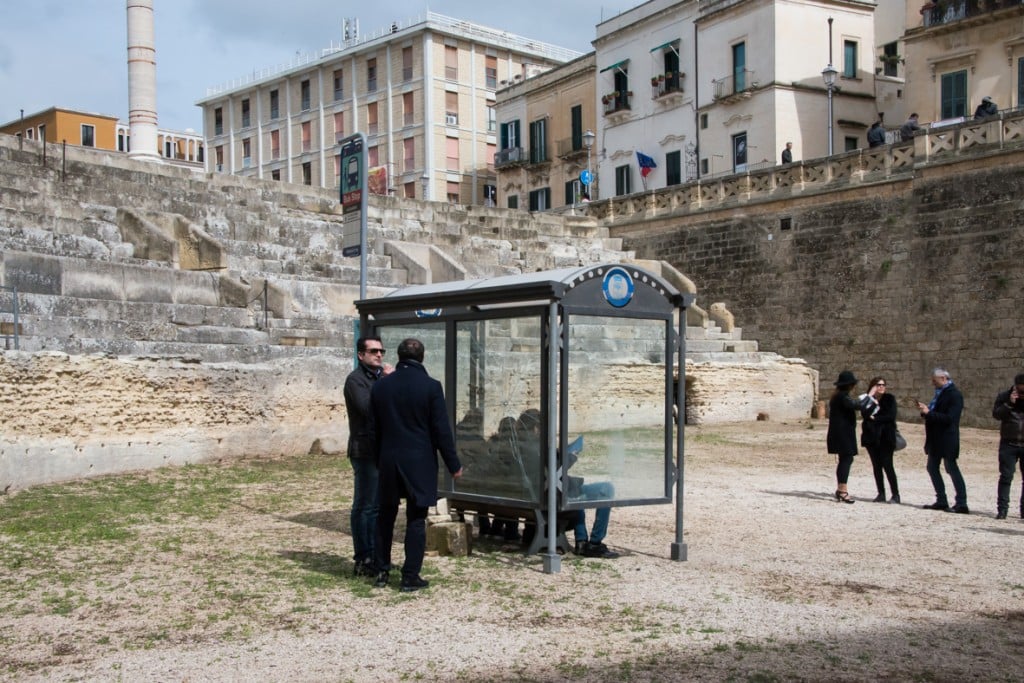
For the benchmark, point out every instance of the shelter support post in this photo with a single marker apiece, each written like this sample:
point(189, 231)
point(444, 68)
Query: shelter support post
point(678, 552)
point(552, 560)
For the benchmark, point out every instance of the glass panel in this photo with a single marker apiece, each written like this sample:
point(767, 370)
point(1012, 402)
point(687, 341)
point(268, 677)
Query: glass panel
point(616, 409)
point(498, 379)
point(432, 336)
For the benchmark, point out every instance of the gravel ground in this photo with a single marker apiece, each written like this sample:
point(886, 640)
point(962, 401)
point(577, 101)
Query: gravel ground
point(781, 583)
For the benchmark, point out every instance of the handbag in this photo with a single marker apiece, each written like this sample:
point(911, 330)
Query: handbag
point(901, 443)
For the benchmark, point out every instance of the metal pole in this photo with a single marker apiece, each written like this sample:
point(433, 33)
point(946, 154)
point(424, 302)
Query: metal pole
point(21, 138)
point(552, 560)
point(678, 550)
point(830, 87)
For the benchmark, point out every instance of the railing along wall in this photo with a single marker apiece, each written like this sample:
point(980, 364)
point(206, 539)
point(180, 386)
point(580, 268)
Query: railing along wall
point(932, 145)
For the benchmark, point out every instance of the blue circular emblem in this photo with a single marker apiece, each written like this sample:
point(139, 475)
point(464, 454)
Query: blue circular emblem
point(617, 287)
point(428, 313)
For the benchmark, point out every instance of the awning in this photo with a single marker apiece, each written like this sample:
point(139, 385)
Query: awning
point(616, 65)
point(671, 43)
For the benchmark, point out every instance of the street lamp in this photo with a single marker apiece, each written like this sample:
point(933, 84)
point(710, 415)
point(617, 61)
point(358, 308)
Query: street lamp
point(828, 74)
point(588, 142)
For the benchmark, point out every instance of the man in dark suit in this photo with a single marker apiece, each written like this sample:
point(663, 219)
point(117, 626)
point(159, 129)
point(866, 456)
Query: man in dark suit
point(410, 427)
point(942, 440)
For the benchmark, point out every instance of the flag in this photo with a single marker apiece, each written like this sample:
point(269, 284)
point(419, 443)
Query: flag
point(646, 164)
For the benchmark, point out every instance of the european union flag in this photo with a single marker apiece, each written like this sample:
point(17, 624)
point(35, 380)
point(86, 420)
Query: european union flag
point(647, 164)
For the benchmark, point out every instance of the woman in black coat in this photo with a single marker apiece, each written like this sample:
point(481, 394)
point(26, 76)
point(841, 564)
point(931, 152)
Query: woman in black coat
point(878, 436)
point(842, 430)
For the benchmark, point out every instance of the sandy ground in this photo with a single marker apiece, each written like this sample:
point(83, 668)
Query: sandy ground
point(781, 583)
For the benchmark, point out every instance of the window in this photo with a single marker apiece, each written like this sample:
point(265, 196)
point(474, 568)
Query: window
point(492, 118)
point(890, 59)
point(246, 122)
point(540, 200)
point(849, 59)
point(739, 67)
point(410, 190)
point(490, 195)
point(512, 201)
point(339, 84)
point(218, 121)
point(703, 121)
point(30, 134)
point(219, 154)
point(576, 126)
point(275, 144)
point(673, 168)
point(304, 90)
point(371, 75)
point(406, 64)
point(275, 174)
point(337, 166)
point(371, 118)
point(538, 141)
point(339, 126)
point(451, 153)
point(739, 152)
point(622, 184)
point(408, 112)
point(373, 156)
point(451, 62)
point(704, 166)
point(274, 108)
point(451, 108)
point(453, 192)
point(850, 143)
point(246, 153)
point(621, 80)
point(573, 191)
point(510, 135)
point(670, 64)
point(409, 154)
point(88, 135)
point(122, 142)
point(305, 129)
point(490, 72)
point(954, 94)
point(42, 132)
point(307, 173)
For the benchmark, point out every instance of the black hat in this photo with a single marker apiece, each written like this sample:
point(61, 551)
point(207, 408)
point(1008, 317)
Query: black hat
point(846, 378)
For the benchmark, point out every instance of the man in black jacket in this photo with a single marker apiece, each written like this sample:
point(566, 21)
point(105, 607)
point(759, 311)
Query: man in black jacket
point(1009, 410)
point(363, 516)
point(409, 424)
point(942, 440)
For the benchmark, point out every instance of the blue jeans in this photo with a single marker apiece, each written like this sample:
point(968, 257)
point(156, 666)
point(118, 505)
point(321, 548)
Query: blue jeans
point(601, 490)
point(953, 470)
point(363, 519)
point(1010, 457)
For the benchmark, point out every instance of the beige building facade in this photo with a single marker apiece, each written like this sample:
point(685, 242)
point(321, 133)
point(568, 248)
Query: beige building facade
point(423, 94)
point(960, 51)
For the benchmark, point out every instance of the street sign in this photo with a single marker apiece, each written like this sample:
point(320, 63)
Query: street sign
point(585, 177)
point(352, 192)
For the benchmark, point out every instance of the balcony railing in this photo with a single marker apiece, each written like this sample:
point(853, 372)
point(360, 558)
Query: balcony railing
point(507, 157)
point(666, 84)
point(949, 11)
point(616, 101)
point(739, 83)
point(570, 147)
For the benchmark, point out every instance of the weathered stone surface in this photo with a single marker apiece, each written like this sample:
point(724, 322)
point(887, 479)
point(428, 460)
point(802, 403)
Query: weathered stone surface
point(450, 538)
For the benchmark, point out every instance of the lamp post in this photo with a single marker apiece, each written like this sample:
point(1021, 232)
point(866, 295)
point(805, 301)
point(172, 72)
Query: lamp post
point(588, 142)
point(828, 74)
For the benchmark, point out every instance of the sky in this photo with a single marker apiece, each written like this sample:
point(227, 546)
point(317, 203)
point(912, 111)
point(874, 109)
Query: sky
point(73, 53)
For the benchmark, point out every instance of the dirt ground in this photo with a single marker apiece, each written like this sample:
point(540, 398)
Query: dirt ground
point(781, 583)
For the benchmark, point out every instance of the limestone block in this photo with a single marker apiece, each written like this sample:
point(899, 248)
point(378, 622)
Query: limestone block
point(33, 273)
point(722, 317)
point(450, 538)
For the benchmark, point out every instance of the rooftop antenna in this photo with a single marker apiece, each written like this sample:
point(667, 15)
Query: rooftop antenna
point(351, 25)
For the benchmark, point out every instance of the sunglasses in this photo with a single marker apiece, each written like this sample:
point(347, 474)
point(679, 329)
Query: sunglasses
point(380, 351)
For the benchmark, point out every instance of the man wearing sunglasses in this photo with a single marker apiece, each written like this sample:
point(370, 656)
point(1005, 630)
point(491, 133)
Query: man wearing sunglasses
point(363, 517)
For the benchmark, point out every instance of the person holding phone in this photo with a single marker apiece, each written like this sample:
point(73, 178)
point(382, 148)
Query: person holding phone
point(1009, 410)
point(942, 440)
point(878, 436)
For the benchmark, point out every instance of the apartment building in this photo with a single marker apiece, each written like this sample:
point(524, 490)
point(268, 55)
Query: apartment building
point(546, 123)
point(422, 92)
point(57, 124)
point(959, 51)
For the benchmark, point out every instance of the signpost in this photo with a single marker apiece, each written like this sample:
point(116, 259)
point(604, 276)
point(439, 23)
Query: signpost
point(353, 193)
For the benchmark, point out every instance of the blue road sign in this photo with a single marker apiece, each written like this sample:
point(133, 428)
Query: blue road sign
point(586, 177)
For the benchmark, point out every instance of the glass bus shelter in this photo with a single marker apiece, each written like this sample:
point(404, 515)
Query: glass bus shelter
point(575, 371)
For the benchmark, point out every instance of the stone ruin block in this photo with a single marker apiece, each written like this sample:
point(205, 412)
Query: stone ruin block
point(450, 538)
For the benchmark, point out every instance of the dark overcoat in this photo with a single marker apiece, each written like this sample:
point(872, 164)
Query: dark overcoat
point(410, 427)
point(942, 424)
point(842, 424)
point(879, 431)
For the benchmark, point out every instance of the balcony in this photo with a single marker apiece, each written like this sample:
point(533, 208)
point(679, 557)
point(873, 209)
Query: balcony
point(513, 156)
point(667, 85)
point(946, 12)
point(617, 102)
point(569, 148)
point(735, 86)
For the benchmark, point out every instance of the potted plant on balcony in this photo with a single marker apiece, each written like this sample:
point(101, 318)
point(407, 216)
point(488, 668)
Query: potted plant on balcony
point(657, 79)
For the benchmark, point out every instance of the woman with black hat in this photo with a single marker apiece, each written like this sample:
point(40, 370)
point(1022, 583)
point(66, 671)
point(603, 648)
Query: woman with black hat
point(842, 430)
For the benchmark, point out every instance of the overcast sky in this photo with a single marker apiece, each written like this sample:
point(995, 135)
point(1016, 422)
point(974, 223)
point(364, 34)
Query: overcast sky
point(73, 53)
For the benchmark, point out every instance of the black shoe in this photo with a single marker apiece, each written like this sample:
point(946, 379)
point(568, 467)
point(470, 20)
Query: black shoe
point(937, 506)
point(364, 568)
point(413, 583)
point(580, 546)
point(895, 500)
point(382, 579)
point(599, 550)
point(1001, 514)
point(960, 509)
point(880, 498)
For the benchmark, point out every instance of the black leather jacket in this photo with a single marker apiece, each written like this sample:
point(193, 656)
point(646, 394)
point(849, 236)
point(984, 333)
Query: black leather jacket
point(1011, 418)
point(357, 405)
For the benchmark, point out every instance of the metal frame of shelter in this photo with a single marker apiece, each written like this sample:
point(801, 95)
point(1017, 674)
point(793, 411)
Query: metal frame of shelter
point(597, 292)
